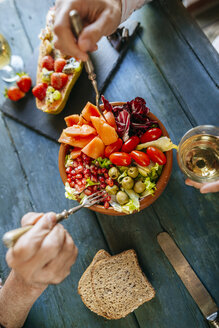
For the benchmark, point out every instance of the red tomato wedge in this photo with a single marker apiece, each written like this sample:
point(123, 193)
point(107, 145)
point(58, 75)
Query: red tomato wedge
point(150, 135)
point(140, 158)
point(130, 144)
point(156, 155)
point(114, 147)
point(79, 130)
point(120, 159)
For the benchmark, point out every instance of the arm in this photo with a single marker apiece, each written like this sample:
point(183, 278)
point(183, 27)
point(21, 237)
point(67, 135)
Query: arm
point(44, 255)
point(101, 17)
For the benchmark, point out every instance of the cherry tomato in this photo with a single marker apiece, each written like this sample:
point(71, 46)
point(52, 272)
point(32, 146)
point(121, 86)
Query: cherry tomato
point(150, 135)
point(116, 146)
point(140, 157)
point(121, 159)
point(156, 155)
point(130, 144)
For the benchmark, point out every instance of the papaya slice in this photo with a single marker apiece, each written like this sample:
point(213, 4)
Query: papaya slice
point(106, 132)
point(110, 119)
point(76, 152)
point(89, 110)
point(95, 148)
point(72, 119)
point(79, 130)
point(79, 142)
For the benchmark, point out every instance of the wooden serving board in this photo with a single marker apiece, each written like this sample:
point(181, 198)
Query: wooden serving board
point(105, 60)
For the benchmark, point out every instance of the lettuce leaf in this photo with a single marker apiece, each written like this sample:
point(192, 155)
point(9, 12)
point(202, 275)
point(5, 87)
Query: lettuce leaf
point(102, 162)
point(91, 183)
point(68, 161)
point(163, 143)
point(70, 192)
point(132, 205)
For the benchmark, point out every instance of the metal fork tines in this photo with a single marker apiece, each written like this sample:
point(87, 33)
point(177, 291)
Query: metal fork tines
point(89, 201)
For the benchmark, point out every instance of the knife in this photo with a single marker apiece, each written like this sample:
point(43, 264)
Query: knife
point(77, 27)
point(196, 289)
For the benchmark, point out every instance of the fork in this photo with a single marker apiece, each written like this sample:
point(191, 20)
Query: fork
point(12, 236)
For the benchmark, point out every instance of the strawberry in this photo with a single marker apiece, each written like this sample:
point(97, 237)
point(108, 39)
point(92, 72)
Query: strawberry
point(59, 64)
point(39, 91)
point(59, 80)
point(24, 83)
point(14, 93)
point(48, 63)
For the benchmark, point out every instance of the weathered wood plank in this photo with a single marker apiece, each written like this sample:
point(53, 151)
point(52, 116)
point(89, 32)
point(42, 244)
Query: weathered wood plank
point(13, 31)
point(177, 203)
point(64, 308)
point(182, 68)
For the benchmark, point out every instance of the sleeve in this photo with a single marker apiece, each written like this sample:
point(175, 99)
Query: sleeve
point(128, 6)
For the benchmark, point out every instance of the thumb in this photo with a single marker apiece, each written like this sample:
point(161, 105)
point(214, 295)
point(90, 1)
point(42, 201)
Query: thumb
point(210, 187)
point(92, 33)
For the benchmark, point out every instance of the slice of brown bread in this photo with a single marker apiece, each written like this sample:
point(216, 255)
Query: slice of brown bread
point(85, 286)
point(119, 285)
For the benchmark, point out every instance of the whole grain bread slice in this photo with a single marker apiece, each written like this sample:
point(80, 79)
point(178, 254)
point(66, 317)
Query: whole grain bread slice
point(119, 285)
point(85, 287)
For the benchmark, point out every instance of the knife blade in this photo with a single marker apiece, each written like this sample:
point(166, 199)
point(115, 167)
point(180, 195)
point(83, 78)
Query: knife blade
point(196, 289)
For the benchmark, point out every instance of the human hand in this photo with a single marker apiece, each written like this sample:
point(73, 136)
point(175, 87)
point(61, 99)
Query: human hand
point(44, 254)
point(204, 187)
point(100, 17)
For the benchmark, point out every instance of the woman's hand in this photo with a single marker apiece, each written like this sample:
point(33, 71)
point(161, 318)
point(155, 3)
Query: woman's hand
point(44, 254)
point(204, 187)
point(100, 17)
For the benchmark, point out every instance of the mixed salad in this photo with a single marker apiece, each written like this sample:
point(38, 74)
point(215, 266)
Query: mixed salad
point(123, 156)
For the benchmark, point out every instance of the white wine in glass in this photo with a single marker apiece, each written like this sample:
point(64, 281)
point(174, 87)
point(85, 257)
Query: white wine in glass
point(198, 153)
point(8, 70)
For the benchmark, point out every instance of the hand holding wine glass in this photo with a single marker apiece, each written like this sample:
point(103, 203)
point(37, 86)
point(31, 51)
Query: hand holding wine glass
point(204, 188)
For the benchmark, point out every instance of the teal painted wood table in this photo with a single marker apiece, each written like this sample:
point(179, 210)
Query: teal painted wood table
point(174, 67)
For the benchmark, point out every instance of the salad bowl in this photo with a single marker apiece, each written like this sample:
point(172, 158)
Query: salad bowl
point(144, 202)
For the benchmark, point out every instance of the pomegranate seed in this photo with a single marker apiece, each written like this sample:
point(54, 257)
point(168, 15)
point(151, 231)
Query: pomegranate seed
point(79, 183)
point(106, 204)
point(88, 192)
point(84, 181)
point(108, 198)
point(106, 175)
point(69, 169)
point(69, 176)
point(75, 164)
point(89, 188)
point(101, 179)
point(79, 176)
point(110, 182)
point(102, 185)
point(87, 176)
point(72, 184)
point(86, 171)
point(80, 168)
point(104, 170)
point(73, 172)
point(93, 178)
point(99, 171)
point(69, 180)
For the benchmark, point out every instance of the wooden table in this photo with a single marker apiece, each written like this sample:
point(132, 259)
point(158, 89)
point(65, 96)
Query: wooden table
point(174, 67)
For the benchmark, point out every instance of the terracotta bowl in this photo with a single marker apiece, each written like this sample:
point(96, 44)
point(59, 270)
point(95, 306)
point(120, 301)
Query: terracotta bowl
point(145, 202)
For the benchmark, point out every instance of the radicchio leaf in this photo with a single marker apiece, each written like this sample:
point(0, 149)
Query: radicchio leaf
point(138, 106)
point(123, 124)
point(107, 106)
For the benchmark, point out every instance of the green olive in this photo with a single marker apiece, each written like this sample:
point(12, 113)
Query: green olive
point(112, 190)
point(133, 172)
point(127, 183)
point(123, 169)
point(139, 187)
point(113, 173)
point(122, 198)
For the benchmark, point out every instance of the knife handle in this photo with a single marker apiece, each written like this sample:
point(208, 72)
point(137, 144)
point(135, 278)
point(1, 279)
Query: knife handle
point(213, 319)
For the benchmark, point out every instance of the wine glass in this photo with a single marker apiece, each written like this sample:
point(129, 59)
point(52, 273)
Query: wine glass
point(198, 154)
point(9, 64)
